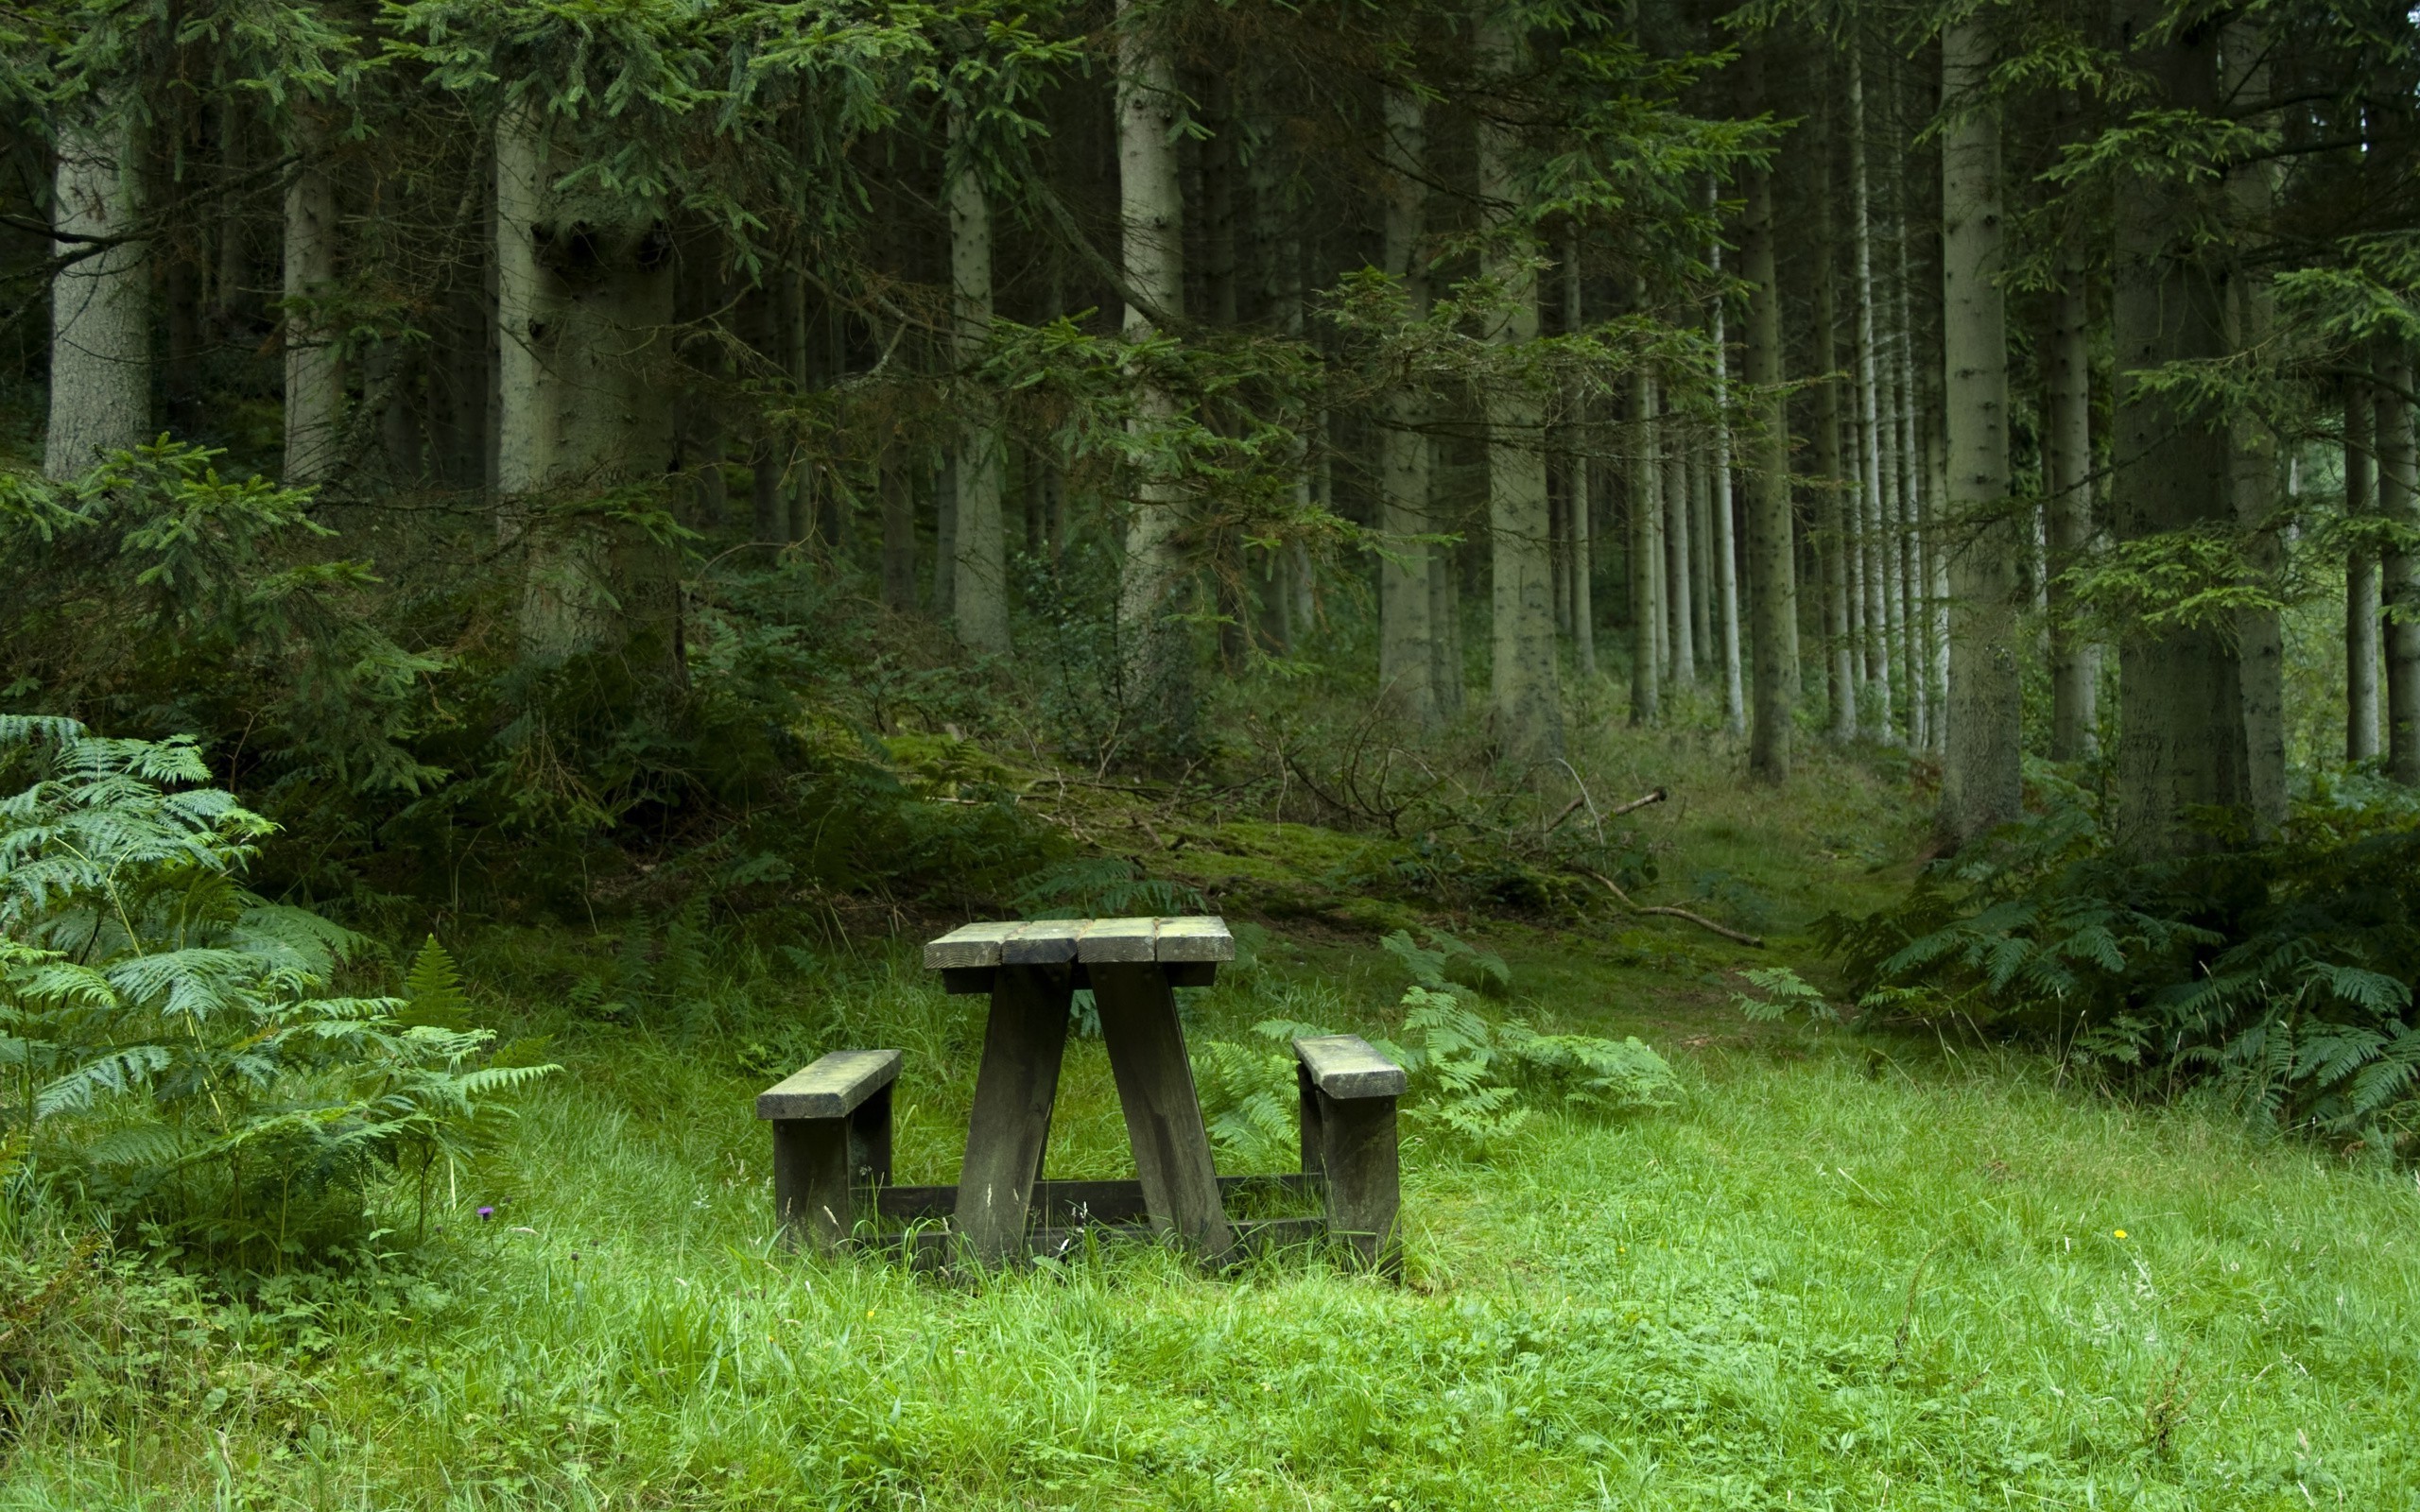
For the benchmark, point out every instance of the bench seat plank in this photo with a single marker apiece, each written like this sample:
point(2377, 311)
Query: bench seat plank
point(831, 1088)
point(1347, 1066)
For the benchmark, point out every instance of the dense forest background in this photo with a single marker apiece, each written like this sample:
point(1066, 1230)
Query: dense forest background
point(565, 460)
point(1809, 611)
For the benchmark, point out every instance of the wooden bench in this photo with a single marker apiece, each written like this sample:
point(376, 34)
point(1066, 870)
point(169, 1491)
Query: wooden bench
point(832, 1121)
point(831, 1140)
point(1349, 1092)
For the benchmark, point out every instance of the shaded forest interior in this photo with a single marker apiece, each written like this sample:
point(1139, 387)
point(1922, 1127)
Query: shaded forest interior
point(754, 457)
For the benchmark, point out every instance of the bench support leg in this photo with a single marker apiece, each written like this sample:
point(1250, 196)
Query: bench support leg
point(1314, 1156)
point(811, 1179)
point(870, 1142)
point(1356, 1149)
point(1019, 1079)
point(1162, 1112)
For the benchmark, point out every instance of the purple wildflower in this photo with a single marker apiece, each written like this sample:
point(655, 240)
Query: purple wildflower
point(485, 1213)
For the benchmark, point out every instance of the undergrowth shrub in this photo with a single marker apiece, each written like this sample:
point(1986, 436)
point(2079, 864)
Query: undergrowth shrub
point(1474, 1079)
point(2278, 975)
point(180, 1068)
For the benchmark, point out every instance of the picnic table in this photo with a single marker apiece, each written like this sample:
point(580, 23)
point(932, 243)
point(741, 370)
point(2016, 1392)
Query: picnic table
point(831, 1119)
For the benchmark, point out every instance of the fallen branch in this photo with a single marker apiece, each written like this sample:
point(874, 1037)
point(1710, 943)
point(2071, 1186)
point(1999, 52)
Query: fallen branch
point(1614, 813)
point(1637, 803)
point(1667, 911)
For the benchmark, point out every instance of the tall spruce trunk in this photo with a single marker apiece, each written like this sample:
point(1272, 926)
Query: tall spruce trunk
point(1834, 534)
point(1892, 535)
point(2399, 590)
point(2361, 583)
point(1407, 658)
point(1876, 717)
point(1722, 551)
point(1523, 675)
point(1646, 553)
point(2259, 633)
point(2180, 750)
point(798, 361)
point(1982, 785)
point(579, 411)
point(1700, 507)
point(2066, 457)
point(1773, 549)
point(1936, 552)
point(1680, 566)
point(314, 361)
point(979, 586)
point(1445, 666)
point(1914, 599)
point(1579, 503)
point(1151, 210)
point(100, 306)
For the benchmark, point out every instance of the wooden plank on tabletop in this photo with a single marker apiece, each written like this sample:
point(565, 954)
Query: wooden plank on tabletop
point(976, 944)
point(1118, 939)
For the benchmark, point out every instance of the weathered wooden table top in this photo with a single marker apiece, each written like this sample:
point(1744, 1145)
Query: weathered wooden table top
point(1089, 941)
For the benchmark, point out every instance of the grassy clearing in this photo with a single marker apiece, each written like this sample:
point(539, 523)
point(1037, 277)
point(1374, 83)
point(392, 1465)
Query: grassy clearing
point(1847, 1272)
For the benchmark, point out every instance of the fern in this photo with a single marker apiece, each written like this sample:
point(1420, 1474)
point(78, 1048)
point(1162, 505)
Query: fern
point(433, 991)
point(1103, 888)
point(172, 1034)
point(1474, 1077)
point(1784, 994)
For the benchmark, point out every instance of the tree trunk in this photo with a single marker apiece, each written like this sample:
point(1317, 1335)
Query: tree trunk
point(981, 583)
point(1701, 507)
point(1876, 718)
point(100, 307)
point(1679, 635)
point(1773, 549)
point(2067, 455)
point(2361, 583)
point(1914, 597)
point(1523, 675)
point(1151, 209)
point(1646, 553)
point(2181, 711)
point(1892, 535)
point(2259, 634)
point(1444, 617)
point(1982, 773)
point(2399, 501)
point(1833, 507)
point(314, 361)
point(1579, 502)
point(1936, 551)
point(1407, 658)
point(580, 410)
point(1724, 549)
point(798, 359)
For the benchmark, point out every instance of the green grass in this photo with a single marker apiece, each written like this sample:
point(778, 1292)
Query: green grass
point(1847, 1272)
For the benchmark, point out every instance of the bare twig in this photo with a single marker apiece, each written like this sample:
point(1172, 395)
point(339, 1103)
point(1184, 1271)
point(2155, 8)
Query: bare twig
point(1667, 911)
point(1637, 803)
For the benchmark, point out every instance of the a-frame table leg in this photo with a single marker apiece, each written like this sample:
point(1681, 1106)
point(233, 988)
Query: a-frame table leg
point(1163, 1113)
point(1023, 1041)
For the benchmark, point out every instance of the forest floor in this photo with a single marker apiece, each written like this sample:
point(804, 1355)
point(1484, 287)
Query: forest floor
point(1846, 1271)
